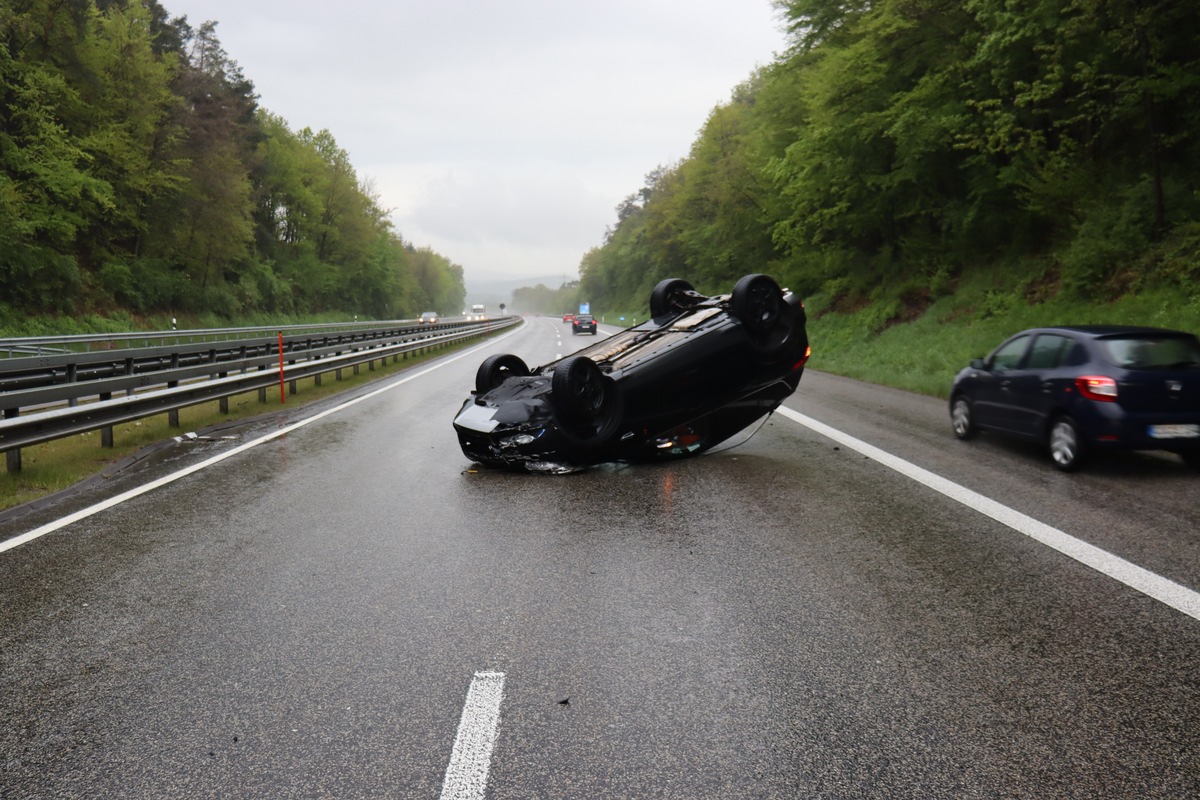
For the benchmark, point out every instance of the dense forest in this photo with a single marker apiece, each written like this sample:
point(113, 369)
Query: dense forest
point(900, 145)
point(138, 174)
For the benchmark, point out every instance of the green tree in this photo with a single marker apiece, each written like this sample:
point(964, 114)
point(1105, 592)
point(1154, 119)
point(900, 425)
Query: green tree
point(47, 192)
point(127, 128)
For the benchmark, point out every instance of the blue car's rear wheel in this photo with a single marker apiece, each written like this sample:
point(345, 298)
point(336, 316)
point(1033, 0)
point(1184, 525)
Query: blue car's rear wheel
point(1066, 445)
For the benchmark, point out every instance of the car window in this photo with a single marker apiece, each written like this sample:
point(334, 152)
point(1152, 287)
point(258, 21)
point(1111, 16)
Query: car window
point(1049, 351)
point(1152, 351)
point(1008, 355)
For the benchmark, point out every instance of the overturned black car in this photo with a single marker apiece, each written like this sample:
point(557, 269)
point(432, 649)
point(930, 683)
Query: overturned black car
point(699, 371)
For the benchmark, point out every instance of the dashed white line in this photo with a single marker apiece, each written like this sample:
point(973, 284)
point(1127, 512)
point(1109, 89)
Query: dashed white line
point(1175, 595)
point(471, 758)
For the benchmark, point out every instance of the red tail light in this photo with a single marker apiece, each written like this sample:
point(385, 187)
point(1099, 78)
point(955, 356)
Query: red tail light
point(804, 360)
point(1097, 387)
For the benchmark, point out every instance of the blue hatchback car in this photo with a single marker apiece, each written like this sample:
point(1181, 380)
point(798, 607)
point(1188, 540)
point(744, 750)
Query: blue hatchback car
point(1086, 388)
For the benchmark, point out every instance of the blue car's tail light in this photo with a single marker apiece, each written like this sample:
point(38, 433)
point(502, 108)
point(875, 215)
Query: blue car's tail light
point(1097, 387)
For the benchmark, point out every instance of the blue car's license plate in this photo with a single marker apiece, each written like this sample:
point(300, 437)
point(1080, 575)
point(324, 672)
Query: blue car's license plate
point(1174, 431)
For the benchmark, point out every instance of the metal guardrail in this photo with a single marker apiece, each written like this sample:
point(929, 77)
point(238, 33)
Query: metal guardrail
point(166, 378)
point(87, 342)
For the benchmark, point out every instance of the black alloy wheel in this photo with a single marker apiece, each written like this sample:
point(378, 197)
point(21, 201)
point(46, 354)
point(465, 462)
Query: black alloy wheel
point(586, 401)
point(758, 302)
point(496, 369)
point(671, 296)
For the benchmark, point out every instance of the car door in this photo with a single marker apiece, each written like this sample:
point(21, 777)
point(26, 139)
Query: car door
point(1031, 387)
point(991, 396)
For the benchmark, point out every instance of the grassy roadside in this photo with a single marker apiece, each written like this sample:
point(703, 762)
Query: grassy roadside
point(58, 465)
point(924, 354)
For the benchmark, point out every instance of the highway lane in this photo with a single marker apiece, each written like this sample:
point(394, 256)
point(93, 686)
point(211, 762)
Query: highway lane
point(785, 618)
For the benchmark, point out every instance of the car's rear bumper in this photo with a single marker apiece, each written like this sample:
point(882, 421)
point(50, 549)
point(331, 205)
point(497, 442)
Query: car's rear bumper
point(1107, 425)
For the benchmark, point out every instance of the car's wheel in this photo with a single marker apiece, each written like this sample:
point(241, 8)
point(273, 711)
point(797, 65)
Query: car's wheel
point(670, 297)
point(586, 401)
point(496, 369)
point(962, 418)
point(1066, 445)
point(758, 302)
point(1191, 458)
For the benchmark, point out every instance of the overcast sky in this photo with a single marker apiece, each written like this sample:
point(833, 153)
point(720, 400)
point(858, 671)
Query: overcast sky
point(501, 134)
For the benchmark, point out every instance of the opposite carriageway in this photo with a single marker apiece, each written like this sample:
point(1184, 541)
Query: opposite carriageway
point(60, 386)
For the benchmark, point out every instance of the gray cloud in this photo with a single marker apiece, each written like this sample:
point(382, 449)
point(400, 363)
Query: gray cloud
point(502, 135)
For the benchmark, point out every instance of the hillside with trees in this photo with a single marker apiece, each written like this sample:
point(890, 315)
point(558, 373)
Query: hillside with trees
point(139, 175)
point(901, 147)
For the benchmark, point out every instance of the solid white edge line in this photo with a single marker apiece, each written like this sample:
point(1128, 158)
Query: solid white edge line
point(62, 522)
point(1143, 580)
point(467, 773)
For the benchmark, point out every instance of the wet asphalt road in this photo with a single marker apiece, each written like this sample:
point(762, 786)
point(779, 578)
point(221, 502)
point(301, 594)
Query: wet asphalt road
point(783, 619)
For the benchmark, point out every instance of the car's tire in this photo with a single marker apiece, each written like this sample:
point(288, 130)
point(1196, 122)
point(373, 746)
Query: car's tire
point(1191, 458)
point(496, 369)
point(758, 302)
point(586, 402)
point(1067, 448)
point(962, 418)
point(670, 297)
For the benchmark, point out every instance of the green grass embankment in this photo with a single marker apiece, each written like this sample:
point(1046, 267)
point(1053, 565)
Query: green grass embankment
point(924, 354)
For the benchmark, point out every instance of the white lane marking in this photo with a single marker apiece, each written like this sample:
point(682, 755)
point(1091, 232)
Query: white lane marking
point(1143, 580)
point(63, 522)
point(467, 774)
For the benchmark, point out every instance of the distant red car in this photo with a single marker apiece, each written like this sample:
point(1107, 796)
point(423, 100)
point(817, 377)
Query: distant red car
point(568, 317)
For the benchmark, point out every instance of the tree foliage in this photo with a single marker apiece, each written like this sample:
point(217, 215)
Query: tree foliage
point(138, 172)
point(899, 144)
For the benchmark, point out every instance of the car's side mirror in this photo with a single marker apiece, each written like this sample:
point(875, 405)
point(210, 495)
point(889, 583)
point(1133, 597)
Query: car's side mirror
point(978, 363)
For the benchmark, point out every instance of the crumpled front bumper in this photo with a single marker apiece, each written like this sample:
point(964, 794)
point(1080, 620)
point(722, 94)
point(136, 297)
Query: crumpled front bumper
point(487, 440)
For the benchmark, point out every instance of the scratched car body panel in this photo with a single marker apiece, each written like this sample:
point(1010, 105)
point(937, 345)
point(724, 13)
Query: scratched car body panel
point(699, 371)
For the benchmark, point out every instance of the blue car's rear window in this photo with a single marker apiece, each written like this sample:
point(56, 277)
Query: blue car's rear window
point(1145, 351)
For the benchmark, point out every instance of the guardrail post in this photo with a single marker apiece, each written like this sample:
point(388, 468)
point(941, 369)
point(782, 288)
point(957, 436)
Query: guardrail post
point(106, 433)
point(173, 414)
point(12, 457)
